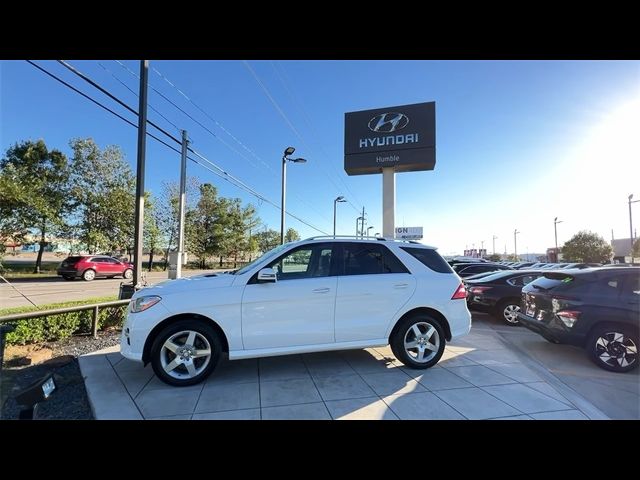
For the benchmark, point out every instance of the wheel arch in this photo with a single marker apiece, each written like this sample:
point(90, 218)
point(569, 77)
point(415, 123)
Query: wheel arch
point(146, 352)
point(429, 311)
point(613, 324)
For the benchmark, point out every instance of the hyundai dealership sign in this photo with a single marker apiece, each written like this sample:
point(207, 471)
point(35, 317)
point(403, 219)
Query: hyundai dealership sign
point(402, 137)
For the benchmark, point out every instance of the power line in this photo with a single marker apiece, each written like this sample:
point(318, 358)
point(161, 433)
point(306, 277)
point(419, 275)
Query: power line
point(218, 124)
point(136, 94)
point(282, 76)
point(221, 172)
point(173, 85)
point(113, 97)
point(287, 121)
point(196, 121)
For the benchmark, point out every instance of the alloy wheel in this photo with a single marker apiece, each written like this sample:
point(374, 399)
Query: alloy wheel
point(421, 342)
point(510, 313)
point(616, 349)
point(185, 354)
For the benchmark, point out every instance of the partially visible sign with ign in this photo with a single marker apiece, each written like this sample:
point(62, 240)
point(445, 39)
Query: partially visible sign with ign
point(409, 233)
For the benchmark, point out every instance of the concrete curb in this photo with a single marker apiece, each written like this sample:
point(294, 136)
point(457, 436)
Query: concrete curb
point(108, 397)
point(578, 400)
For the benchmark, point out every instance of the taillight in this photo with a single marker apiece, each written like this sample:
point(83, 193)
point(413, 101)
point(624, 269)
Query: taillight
point(478, 290)
point(460, 293)
point(568, 317)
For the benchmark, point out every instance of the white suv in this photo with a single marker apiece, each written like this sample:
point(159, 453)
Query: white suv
point(323, 293)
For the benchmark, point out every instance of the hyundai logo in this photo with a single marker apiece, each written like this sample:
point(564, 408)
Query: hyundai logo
point(388, 122)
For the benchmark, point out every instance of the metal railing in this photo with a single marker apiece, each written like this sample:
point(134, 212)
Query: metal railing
point(57, 311)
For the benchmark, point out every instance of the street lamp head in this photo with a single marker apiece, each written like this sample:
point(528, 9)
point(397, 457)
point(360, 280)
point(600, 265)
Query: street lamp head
point(555, 219)
point(289, 151)
point(298, 160)
point(630, 197)
point(340, 199)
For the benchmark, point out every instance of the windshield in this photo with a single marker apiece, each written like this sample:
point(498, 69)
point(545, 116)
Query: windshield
point(271, 253)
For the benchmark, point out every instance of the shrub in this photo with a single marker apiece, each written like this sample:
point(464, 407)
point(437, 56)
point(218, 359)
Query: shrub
point(58, 327)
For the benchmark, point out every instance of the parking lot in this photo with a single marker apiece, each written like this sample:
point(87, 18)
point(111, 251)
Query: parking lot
point(496, 372)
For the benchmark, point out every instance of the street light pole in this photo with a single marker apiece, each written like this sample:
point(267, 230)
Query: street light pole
point(515, 244)
point(631, 224)
point(358, 225)
point(335, 202)
point(285, 158)
point(369, 228)
point(555, 231)
point(494, 244)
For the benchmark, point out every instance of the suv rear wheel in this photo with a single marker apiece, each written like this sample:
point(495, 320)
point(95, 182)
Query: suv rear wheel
point(89, 275)
point(418, 341)
point(185, 352)
point(613, 347)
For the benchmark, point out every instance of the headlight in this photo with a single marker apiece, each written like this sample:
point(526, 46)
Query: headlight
point(140, 304)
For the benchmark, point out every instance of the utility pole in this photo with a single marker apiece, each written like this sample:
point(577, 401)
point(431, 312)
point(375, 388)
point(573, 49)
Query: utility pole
point(481, 248)
point(362, 228)
point(142, 138)
point(515, 244)
point(182, 207)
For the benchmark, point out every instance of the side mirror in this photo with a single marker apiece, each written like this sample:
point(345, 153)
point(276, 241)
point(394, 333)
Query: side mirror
point(267, 275)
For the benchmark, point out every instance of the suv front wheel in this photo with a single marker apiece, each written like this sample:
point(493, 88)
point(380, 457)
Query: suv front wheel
point(185, 352)
point(418, 341)
point(613, 347)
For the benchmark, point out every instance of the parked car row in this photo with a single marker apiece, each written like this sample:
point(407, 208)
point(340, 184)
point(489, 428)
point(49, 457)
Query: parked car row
point(597, 308)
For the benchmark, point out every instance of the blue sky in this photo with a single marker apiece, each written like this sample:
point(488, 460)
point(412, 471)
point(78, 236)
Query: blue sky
point(518, 142)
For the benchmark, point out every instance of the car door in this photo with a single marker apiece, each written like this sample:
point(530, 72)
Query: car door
point(372, 286)
point(112, 266)
point(298, 309)
point(631, 297)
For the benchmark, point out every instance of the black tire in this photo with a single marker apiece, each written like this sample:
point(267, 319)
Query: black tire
point(159, 354)
point(127, 274)
point(405, 329)
point(608, 347)
point(88, 275)
point(501, 311)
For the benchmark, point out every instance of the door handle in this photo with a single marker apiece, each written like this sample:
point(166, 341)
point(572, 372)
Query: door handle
point(321, 290)
point(401, 285)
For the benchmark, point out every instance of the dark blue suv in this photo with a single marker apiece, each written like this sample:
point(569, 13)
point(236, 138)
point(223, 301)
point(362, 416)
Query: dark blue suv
point(595, 308)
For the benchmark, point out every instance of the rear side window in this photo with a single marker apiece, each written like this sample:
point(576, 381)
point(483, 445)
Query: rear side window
point(369, 259)
point(73, 260)
point(429, 258)
point(556, 281)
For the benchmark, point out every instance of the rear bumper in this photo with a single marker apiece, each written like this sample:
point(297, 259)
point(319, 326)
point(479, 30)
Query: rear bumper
point(551, 334)
point(63, 272)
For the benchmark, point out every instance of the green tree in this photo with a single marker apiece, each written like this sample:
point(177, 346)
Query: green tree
point(206, 224)
point(586, 246)
point(34, 193)
point(151, 233)
point(103, 189)
point(239, 221)
point(291, 235)
point(168, 211)
point(267, 239)
point(494, 257)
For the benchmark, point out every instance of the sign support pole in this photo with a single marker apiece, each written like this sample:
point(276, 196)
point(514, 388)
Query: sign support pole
point(388, 202)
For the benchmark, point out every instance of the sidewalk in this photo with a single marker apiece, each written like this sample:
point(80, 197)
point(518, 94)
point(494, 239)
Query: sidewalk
point(478, 377)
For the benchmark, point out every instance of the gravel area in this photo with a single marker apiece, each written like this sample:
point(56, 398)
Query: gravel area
point(81, 344)
point(69, 401)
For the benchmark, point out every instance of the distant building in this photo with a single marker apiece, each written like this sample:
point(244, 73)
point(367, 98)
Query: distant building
point(621, 250)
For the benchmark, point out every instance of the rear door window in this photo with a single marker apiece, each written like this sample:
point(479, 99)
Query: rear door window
point(369, 259)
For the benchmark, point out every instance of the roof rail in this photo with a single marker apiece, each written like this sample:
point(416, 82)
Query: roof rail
point(358, 237)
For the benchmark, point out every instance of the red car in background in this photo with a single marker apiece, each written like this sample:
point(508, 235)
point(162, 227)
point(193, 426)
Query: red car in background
point(89, 267)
